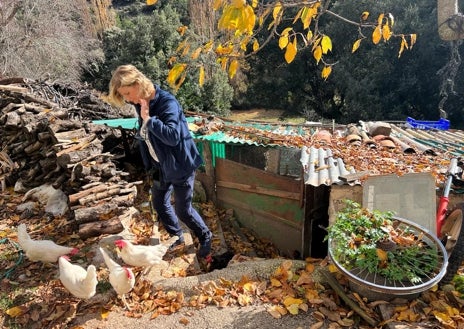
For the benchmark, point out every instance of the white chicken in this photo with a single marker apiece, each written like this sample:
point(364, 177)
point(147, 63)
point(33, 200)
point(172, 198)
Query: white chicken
point(122, 278)
point(79, 282)
point(45, 251)
point(141, 255)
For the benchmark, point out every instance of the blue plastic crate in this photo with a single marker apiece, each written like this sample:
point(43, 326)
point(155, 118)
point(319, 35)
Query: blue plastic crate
point(441, 124)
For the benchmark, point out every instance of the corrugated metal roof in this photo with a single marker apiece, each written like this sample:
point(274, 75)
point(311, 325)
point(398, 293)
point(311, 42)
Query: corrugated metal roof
point(232, 133)
point(326, 156)
point(320, 167)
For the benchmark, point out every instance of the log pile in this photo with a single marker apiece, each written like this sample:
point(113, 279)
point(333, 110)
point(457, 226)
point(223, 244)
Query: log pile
point(48, 138)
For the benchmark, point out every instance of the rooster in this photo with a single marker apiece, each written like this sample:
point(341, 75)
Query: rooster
point(122, 279)
point(143, 256)
point(45, 251)
point(79, 282)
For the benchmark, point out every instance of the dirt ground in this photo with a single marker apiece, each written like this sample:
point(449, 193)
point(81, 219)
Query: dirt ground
point(209, 317)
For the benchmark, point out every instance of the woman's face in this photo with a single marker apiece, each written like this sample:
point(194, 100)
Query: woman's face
point(131, 94)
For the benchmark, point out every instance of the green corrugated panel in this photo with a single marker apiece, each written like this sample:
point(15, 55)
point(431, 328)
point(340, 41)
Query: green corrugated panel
point(453, 148)
point(218, 150)
point(126, 123)
point(216, 137)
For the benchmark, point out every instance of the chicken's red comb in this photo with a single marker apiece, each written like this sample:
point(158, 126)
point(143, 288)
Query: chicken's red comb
point(74, 251)
point(119, 243)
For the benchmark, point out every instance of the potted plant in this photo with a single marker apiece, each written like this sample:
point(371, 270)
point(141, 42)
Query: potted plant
point(381, 247)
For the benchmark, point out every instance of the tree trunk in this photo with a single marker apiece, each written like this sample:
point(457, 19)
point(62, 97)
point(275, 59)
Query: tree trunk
point(450, 21)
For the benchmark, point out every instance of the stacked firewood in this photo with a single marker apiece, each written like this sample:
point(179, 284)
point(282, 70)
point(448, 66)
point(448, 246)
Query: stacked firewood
point(48, 137)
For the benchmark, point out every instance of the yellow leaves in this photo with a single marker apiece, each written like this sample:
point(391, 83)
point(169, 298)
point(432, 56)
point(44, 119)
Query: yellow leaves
point(386, 33)
point(201, 78)
point(233, 68)
point(255, 45)
point(16, 311)
point(277, 11)
point(308, 13)
point(377, 35)
point(403, 46)
point(104, 313)
point(321, 47)
point(196, 53)
point(291, 47)
point(356, 45)
point(326, 44)
point(151, 2)
point(290, 301)
point(326, 72)
point(283, 40)
point(275, 282)
point(208, 46)
point(224, 50)
point(181, 29)
point(408, 315)
point(444, 318)
point(291, 51)
point(332, 268)
point(239, 17)
point(383, 28)
point(317, 54)
point(382, 254)
point(176, 75)
point(380, 19)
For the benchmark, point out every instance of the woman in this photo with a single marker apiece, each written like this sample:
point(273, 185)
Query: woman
point(168, 149)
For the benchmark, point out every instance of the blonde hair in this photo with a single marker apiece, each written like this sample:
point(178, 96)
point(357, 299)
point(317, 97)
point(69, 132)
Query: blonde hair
point(128, 75)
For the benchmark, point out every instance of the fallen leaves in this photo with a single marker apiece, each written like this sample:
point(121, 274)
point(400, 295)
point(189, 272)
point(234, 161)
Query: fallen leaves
point(288, 291)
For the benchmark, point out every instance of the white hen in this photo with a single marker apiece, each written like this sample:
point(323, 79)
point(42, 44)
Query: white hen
point(45, 251)
point(122, 279)
point(79, 282)
point(141, 255)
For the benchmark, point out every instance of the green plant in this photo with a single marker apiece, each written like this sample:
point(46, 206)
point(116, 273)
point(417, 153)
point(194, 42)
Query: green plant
point(373, 241)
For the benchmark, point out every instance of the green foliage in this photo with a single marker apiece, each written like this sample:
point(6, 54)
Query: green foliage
point(148, 42)
point(214, 97)
point(356, 238)
point(374, 82)
point(217, 94)
point(370, 84)
point(458, 282)
point(145, 42)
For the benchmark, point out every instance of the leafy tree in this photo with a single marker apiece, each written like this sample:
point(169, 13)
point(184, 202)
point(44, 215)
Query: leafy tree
point(42, 38)
point(379, 86)
point(147, 41)
point(241, 21)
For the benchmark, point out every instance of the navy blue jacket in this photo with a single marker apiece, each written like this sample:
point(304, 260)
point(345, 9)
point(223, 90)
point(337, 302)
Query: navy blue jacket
point(169, 134)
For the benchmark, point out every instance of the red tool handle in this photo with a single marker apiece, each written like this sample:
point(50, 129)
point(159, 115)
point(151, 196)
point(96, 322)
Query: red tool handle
point(441, 213)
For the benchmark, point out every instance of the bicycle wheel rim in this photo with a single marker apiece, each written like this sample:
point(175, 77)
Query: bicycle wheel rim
point(379, 284)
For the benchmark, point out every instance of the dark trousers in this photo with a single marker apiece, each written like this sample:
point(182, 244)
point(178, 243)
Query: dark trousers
point(183, 193)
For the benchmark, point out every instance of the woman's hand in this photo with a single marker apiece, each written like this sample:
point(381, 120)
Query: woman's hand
point(144, 111)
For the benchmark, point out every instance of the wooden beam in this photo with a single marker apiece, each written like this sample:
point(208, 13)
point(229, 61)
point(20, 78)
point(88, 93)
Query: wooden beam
point(259, 190)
